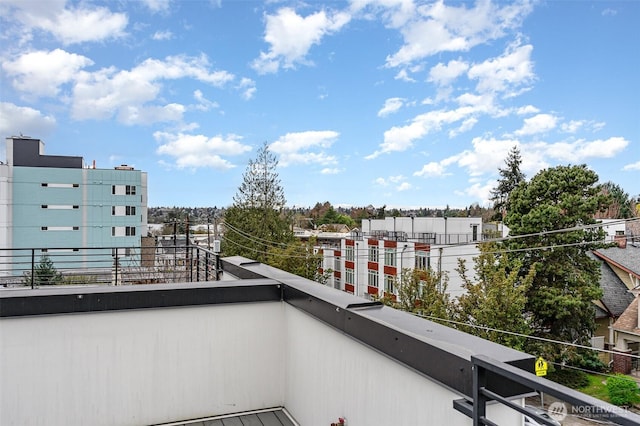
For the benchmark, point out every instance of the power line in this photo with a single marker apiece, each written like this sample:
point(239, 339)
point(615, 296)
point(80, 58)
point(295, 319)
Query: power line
point(526, 336)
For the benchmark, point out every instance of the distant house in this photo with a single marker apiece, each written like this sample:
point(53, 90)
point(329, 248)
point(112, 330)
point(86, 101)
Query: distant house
point(624, 262)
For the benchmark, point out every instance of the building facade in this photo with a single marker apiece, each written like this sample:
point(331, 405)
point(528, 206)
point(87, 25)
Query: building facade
point(55, 204)
point(369, 262)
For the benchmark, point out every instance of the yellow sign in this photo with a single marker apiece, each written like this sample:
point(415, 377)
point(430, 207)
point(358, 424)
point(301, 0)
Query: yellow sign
point(541, 367)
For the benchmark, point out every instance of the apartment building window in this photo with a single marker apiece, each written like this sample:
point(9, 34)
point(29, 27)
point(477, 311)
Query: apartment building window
point(336, 283)
point(336, 264)
point(390, 257)
point(59, 185)
point(349, 253)
point(123, 210)
point(60, 228)
point(123, 231)
point(123, 190)
point(348, 276)
point(373, 254)
point(389, 283)
point(372, 280)
point(59, 206)
point(422, 260)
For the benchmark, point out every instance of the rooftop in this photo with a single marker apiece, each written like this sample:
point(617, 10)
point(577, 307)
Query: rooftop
point(230, 352)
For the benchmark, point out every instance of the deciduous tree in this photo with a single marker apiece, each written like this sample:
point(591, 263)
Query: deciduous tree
point(496, 298)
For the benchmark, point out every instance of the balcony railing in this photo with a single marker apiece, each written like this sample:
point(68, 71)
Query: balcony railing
point(37, 267)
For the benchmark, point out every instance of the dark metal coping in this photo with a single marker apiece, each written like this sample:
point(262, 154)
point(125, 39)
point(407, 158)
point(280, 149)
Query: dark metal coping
point(435, 351)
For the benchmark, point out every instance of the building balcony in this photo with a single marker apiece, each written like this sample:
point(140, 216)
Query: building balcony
point(259, 344)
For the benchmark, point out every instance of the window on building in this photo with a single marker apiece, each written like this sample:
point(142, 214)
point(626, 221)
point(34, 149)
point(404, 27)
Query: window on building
point(348, 255)
point(390, 257)
point(373, 254)
point(336, 283)
point(123, 231)
point(336, 264)
point(372, 280)
point(130, 211)
point(44, 228)
point(131, 190)
point(389, 283)
point(422, 260)
point(348, 276)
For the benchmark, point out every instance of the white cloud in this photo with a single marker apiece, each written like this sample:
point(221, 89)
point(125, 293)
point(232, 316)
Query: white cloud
point(479, 191)
point(435, 27)
point(540, 123)
point(525, 110)
point(148, 114)
point(443, 75)
point(609, 12)
point(16, 120)
point(404, 76)
point(43, 72)
point(432, 169)
point(203, 104)
point(291, 36)
point(572, 126)
point(581, 150)
point(401, 138)
point(305, 147)
point(162, 35)
point(391, 105)
point(101, 94)
point(73, 25)
point(248, 88)
point(157, 5)
point(509, 74)
point(196, 151)
point(632, 166)
point(404, 186)
point(330, 171)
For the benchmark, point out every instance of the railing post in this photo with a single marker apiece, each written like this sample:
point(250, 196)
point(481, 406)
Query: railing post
point(206, 267)
point(33, 268)
point(479, 400)
point(116, 267)
point(198, 266)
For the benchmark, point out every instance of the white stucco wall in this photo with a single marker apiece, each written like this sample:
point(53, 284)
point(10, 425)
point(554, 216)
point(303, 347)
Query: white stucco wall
point(140, 367)
point(330, 375)
point(153, 366)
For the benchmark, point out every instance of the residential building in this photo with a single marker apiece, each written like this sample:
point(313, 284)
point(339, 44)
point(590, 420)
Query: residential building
point(624, 333)
point(369, 262)
point(56, 205)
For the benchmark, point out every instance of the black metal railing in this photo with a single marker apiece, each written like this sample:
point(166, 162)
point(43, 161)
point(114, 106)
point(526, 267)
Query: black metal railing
point(40, 267)
point(571, 402)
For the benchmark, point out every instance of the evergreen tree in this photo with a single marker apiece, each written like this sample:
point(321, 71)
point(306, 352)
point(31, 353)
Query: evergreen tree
point(44, 273)
point(559, 301)
point(510, 178)
point(298, 258)
point(256, 221)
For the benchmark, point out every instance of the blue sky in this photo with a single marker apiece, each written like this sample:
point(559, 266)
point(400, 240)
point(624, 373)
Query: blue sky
point(398, 102)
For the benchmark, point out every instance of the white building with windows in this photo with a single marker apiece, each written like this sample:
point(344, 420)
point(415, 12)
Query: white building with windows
point(368, 263)
point(53, 204)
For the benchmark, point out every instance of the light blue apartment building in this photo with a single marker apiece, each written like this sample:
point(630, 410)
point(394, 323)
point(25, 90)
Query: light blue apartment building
point(79, 216)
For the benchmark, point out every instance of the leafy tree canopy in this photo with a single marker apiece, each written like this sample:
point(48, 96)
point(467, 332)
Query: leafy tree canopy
point(559, 300)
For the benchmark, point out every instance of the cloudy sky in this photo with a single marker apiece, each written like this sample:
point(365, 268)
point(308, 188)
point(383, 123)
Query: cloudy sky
point(397, 102)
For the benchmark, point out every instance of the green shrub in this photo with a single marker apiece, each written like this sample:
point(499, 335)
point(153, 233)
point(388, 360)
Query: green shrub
point(622, 390)
point(574, 379)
